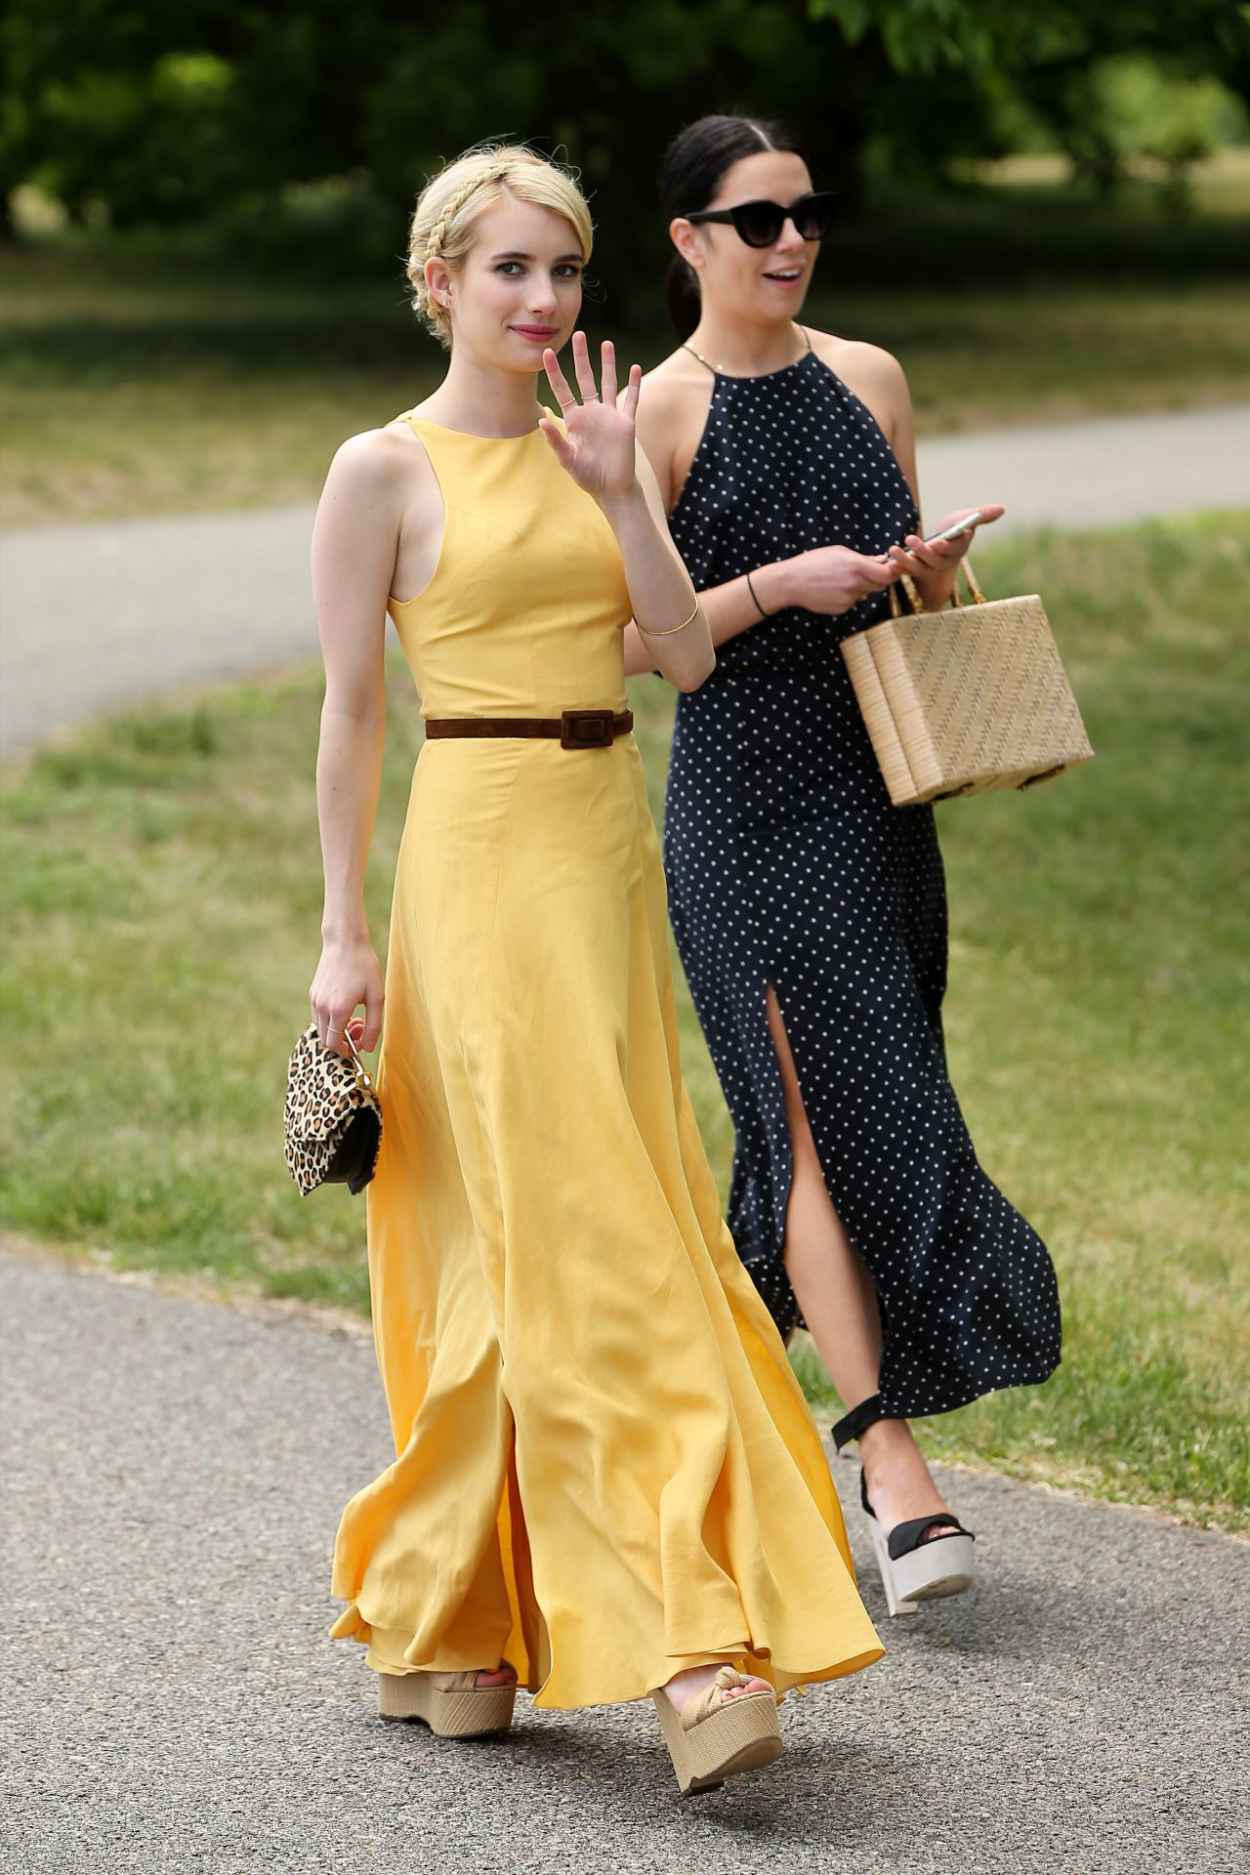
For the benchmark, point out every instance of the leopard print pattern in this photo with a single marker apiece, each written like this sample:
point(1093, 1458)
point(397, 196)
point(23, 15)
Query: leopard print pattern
point(322, 1094)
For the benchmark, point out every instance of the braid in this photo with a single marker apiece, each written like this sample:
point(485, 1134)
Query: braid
point(425, 246)
point(438, 233)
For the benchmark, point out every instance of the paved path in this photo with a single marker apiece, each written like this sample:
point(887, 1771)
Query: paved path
point(93, 618)
point(172, 1474)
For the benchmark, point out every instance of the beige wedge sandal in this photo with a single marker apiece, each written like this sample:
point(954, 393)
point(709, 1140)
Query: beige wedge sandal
point(714, 1737)
point(453, 1705)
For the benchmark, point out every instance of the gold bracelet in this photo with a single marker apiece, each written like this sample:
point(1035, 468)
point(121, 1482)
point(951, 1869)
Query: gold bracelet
point(672, 629)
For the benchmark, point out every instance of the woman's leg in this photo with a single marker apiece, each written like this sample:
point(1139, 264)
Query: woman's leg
point(839, 1304)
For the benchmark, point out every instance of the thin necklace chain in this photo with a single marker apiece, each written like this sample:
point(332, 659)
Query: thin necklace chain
point(807, 346)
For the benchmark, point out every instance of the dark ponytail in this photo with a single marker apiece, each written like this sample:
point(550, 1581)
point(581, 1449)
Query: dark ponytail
point(681, 294)
point(690, 175)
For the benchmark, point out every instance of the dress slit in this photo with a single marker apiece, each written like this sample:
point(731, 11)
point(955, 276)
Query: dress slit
point(828, 1179)
point(785, 1150)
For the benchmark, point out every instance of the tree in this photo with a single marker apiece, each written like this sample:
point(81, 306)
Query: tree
point(169, 116)
point(1056, 54)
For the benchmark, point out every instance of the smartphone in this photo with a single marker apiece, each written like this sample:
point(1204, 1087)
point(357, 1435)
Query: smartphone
point(957, 527)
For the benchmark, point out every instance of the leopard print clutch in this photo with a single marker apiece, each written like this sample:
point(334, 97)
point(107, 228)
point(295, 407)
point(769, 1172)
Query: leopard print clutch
point(332, 1121)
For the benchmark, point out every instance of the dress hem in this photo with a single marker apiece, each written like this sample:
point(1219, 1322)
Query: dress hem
point(782, 1678)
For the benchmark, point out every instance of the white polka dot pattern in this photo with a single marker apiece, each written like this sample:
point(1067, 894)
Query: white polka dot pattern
point(787, 866)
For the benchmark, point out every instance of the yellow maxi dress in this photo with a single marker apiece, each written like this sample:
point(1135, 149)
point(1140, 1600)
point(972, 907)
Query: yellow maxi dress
point(604, 1468)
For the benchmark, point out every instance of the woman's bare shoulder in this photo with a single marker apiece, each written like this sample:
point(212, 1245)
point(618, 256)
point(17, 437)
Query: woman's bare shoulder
point(676, 379)
point(675, 393)
point(391, 460)
point(672, 411)
point(381, 451)
point(856, 359)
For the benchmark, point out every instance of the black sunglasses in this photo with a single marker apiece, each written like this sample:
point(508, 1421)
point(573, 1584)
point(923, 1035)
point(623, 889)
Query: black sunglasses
point(759, 224)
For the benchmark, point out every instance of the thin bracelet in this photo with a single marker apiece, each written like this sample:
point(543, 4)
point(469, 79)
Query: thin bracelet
point(672, 630)
point(755, 599)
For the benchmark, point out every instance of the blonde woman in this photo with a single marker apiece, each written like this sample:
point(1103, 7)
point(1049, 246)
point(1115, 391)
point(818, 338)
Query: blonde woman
point(606, 1484)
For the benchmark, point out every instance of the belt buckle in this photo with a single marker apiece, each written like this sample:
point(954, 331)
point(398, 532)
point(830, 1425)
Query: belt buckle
point(587, 729)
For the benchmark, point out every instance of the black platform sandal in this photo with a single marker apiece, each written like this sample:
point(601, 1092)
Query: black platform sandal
point(912, 1571)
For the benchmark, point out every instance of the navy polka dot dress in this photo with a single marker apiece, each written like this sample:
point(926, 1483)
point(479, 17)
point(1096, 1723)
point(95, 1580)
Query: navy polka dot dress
point(788, 866)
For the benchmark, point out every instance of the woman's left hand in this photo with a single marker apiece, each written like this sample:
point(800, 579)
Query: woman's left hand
point(927, 563)
point(597, 444)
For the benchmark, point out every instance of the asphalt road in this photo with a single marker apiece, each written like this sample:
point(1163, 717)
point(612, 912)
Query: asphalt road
point(172, 1474)
point(98, 617)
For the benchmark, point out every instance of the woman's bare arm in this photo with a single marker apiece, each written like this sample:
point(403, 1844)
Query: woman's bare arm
point(597, 444)
point(660, 588)
point(355, 538)
point(880, 383)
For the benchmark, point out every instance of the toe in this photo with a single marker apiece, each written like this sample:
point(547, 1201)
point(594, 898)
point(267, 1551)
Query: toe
point(941, 1529)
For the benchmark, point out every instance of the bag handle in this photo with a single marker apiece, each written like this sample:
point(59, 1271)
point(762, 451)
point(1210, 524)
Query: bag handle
point(916, 604)
point(362, 1073)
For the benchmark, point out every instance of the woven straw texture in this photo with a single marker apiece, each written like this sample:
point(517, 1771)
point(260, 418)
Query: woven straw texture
point(961, 701)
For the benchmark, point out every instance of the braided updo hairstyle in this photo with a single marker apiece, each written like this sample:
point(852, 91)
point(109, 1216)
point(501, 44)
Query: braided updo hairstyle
point(451, 202)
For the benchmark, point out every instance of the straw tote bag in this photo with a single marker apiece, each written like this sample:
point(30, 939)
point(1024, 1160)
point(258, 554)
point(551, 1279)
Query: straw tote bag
point(961, 701)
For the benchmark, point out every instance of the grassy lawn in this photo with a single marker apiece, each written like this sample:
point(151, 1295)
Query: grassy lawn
point(165, 889)
point(142, 378)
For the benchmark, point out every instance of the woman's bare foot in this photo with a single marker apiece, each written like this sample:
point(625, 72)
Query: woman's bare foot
point(695, 1680)
point(503, 1675)
point(897, 1479)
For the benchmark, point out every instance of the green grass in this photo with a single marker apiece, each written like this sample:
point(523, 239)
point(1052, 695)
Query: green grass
point(158, 375)
point(164, 883)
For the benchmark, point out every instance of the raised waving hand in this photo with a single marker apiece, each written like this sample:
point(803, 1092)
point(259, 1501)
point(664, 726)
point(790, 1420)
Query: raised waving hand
point(597, 444)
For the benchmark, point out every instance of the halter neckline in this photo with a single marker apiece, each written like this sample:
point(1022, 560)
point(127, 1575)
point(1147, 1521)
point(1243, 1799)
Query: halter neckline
point(754, 377)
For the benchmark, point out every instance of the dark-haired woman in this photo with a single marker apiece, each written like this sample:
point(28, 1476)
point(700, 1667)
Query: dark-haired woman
point(809, 913)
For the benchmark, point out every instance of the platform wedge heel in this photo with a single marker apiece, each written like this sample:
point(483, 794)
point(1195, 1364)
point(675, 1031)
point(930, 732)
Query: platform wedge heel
point(453, 1705)
point(912, 1569)
point(714, 1738)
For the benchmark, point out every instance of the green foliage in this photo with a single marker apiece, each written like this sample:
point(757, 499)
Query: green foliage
point(152, 148)
point(143, 117)
point(1149, 109)
point(1156, 110)
point(930, 34)
point(919, 35)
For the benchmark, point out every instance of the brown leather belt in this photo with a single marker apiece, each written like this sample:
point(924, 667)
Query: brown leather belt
point(577, 729)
